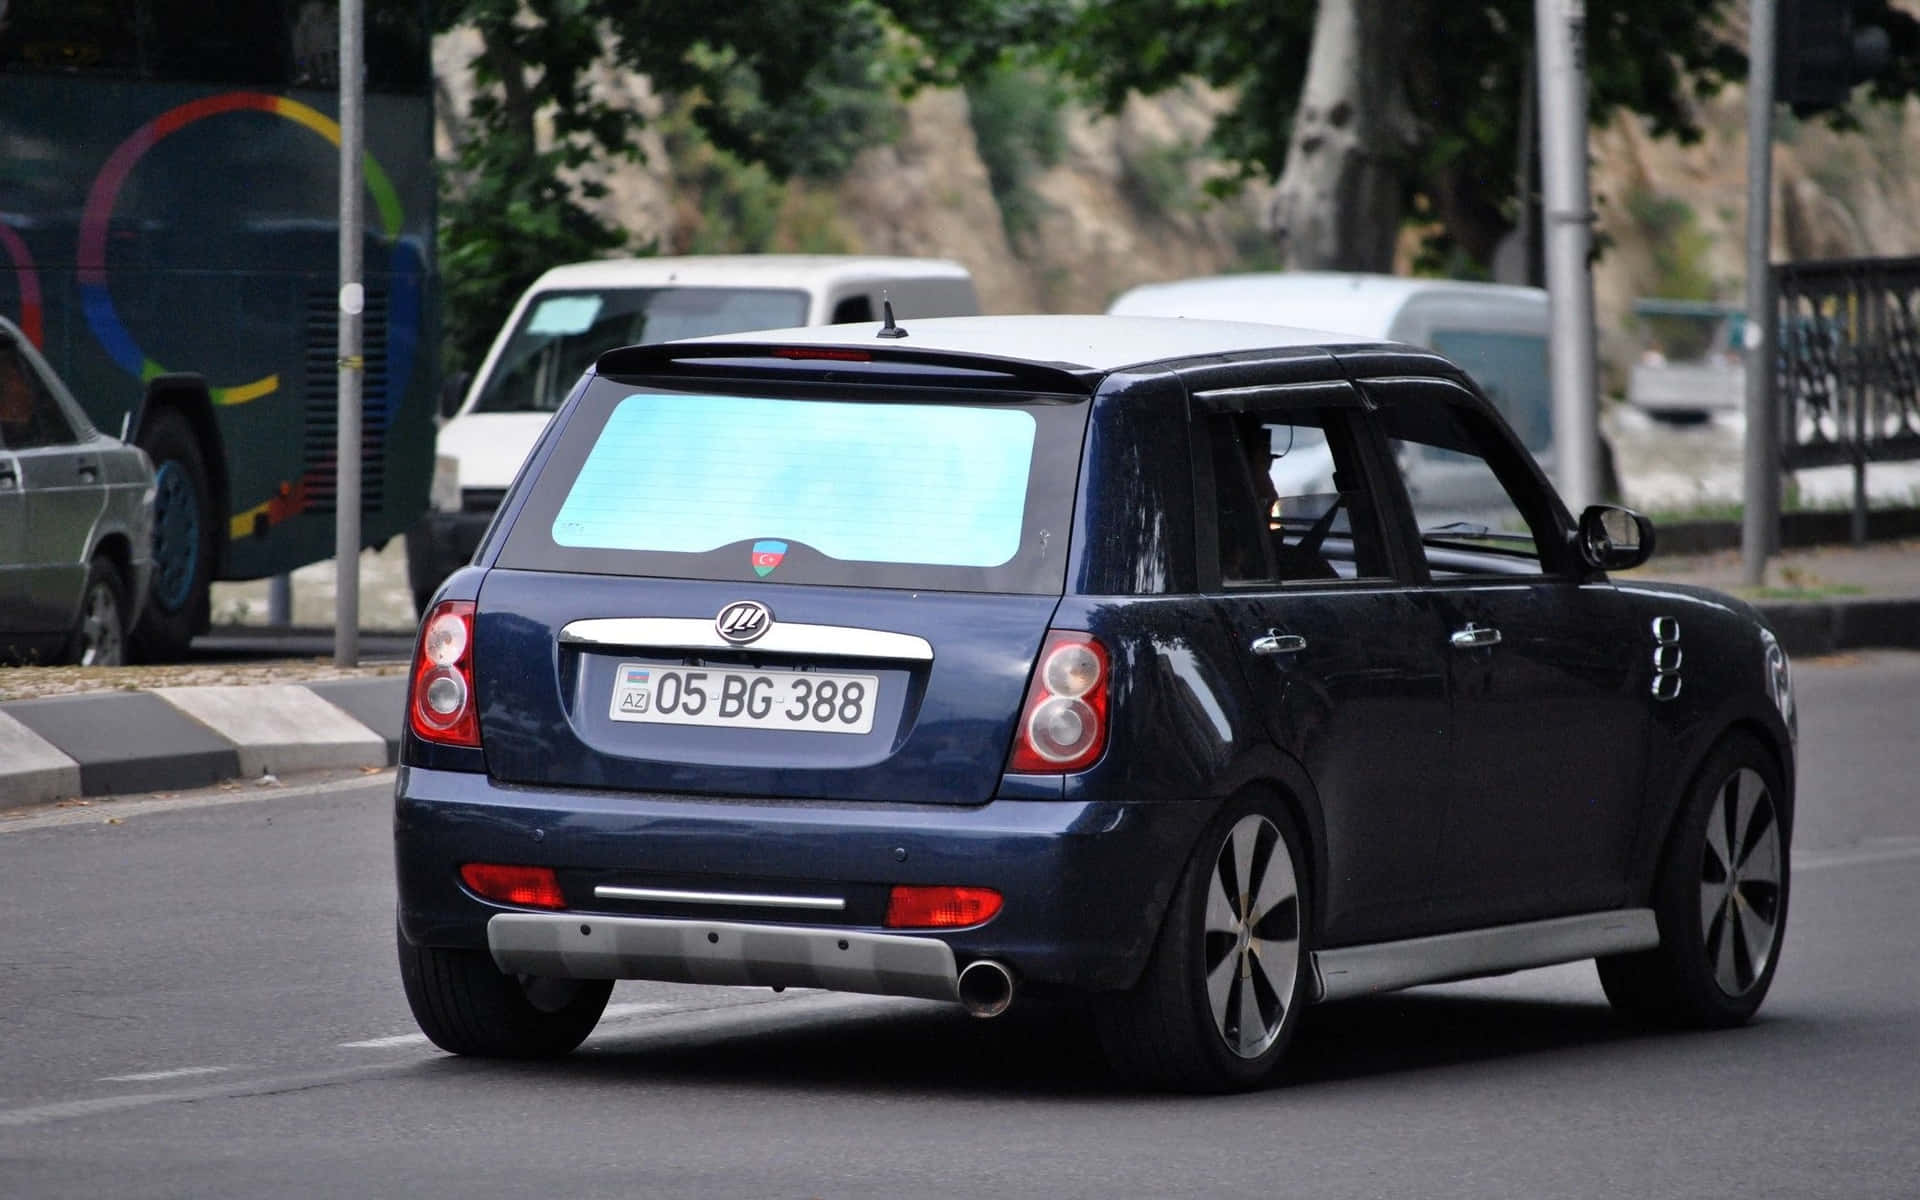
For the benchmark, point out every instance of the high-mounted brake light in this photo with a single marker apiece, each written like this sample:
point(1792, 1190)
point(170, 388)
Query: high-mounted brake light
point(798, 352)
point(1063, 724)
point(526, 887)
point(940, 907)
point(440, 705)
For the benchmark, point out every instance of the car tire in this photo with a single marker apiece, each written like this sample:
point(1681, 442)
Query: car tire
point(1720, 899)
point(1229, 975)
point(99, 637)
point(466, 1005)
point(183, 541)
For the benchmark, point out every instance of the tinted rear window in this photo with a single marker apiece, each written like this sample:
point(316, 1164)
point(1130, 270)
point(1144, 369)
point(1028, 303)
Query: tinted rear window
point(855, 487)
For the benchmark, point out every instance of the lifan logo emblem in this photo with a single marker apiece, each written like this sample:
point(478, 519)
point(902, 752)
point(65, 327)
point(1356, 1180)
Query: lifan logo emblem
point(743, 621)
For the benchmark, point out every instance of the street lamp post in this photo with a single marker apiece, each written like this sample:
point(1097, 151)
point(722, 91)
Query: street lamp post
point(352, 364)
point(1560, 27)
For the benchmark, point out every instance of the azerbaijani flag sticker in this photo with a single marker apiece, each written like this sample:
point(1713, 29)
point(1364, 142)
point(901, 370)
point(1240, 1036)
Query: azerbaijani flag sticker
point(766, 556)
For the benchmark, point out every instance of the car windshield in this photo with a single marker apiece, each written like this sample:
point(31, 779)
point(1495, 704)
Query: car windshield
point(863, 489)
point(561, 333)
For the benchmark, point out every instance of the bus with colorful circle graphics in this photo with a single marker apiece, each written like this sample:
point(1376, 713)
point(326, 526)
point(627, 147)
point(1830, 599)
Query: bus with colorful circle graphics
point(169, 203)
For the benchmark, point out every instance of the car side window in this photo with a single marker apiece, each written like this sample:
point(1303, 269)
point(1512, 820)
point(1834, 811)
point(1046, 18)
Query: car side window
point(1470, 522)
point(853, 310)
point(30, 418)
point(1288, 499)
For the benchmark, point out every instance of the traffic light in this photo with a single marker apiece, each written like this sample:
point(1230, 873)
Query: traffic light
point(1824, 48)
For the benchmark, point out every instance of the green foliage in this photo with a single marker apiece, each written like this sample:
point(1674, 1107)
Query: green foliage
point(1670, 229)
point(1463, 81)
point(1015, 114)
point(776, 87)
point(1679, 248)
point(1158, 179)
point(849, 103)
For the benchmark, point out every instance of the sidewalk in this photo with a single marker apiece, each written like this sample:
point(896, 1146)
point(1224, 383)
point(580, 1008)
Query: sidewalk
point(126, 736)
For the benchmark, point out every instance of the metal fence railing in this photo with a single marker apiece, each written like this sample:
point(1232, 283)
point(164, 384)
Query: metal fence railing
point(1847, 387)
point(1849, 361)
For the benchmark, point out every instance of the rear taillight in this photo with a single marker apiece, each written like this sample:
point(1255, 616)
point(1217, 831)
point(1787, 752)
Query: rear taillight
point(940, 907)
point(527, 887)
point(440, 705)
point(1063, 724)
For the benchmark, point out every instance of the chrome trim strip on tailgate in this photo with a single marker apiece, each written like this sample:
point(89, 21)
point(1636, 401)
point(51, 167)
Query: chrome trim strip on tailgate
point(742, 899)
point(572, 946)
point(783, 637)
point(1359, 970)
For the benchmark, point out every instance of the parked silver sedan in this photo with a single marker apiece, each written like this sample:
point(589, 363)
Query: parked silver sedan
point(76, 521)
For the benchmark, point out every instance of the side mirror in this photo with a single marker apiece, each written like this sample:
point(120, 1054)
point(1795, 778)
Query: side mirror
point(453, 389)
point(1613, 538)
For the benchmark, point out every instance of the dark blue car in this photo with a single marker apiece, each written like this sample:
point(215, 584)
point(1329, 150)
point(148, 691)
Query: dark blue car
point(984, 658)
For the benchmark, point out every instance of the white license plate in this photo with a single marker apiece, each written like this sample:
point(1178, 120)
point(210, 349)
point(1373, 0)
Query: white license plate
point(803, 701)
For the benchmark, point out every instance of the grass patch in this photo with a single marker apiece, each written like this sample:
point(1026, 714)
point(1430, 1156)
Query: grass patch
point(1823, 592)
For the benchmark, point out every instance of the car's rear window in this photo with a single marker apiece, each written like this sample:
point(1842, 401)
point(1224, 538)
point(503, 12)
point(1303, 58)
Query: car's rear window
point(880, 487)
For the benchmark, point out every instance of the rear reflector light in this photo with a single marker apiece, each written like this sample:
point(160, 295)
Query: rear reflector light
point(526, 887)
point(1063, 724)
point(801, 352)
point(940, 907)
point(440, 705)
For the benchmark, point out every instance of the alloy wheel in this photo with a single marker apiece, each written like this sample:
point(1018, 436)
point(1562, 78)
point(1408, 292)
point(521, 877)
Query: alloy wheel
point(101, 634)
point(1740, 876)
point(1251, 941)
point(176, 537)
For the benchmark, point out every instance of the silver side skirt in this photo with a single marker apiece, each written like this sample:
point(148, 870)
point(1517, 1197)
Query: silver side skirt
point(722, 952)
point(1359, 970)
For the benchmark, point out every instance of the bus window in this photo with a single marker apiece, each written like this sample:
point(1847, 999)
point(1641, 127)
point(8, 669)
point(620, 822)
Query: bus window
point(262, 43)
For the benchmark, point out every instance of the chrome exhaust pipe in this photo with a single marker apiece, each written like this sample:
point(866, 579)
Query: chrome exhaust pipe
point(985, 988)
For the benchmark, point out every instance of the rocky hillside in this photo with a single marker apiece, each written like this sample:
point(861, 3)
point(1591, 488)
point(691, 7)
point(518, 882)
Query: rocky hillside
point(1121, 201)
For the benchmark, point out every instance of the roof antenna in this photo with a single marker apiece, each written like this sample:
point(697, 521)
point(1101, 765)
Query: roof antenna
point(887, 328)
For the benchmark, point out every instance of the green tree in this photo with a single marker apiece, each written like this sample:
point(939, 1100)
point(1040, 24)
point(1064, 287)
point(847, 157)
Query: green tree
point(1366, 110)
point(793, 86)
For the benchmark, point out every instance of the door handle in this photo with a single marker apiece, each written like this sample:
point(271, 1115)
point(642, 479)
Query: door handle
point(88, 471)
point(1278, 643)
point(1475, 635)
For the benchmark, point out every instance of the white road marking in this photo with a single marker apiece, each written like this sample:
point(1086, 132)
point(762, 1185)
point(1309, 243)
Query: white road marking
point(789, 1011)
point(387, 1043)
point(104, 810)
point(67, 1110)
point(614, 1012)
point(154, 1076)
point(1876, 850)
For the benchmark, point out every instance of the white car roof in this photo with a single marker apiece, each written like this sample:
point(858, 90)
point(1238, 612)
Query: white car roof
point(1359, 303)
point(1100, 343)
point(745, 270)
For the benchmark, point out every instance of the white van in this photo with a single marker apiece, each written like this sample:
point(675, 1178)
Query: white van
point(574, 313)
point(1495, 332)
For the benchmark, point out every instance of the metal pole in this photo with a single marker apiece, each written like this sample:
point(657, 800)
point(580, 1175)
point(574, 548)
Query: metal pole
point(346, 530)
point(1760, 523)
point(280, 601)
point(1561, 27)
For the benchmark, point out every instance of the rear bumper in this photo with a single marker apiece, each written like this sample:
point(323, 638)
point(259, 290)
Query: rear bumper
point(1084, 884)
point(567, 946)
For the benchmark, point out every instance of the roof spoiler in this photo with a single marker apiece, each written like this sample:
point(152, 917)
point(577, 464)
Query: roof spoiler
point(730, 358)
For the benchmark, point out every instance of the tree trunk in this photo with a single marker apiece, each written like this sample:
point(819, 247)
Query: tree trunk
point(1339, 201)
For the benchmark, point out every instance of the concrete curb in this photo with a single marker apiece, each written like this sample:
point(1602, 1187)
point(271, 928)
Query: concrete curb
point(1798, 531)
point(170, 739)
point(107, 743)
point(1852, 623)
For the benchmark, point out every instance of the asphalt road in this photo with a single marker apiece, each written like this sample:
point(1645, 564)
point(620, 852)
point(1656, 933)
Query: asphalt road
point(200, 1000)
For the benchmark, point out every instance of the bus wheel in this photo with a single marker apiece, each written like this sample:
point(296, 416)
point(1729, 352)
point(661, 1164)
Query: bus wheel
point(183, 546)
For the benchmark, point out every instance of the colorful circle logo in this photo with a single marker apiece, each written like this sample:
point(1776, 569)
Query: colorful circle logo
point(92, 251)
point(27, 280)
